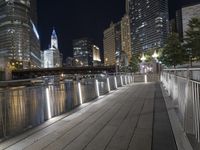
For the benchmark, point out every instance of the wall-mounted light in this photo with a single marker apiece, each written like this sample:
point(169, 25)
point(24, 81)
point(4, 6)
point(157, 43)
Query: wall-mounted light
point(108, 83)
point(97, 88)
point(126, 80)
point(48, 104)
point(145, 78)
point(80, 93)
point(115, 79)
point(121, 80)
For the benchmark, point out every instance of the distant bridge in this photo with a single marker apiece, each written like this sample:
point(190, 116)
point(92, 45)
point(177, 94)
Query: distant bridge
point(32, 73)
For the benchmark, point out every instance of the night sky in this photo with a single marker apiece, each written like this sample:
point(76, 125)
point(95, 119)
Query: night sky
point(81, 18)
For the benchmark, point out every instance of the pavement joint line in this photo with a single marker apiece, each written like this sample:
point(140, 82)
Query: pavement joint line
point(100, 131)
point(76, 126)
point(80, 122)
point(77, 109)
point(130, 110)
point(137, 122)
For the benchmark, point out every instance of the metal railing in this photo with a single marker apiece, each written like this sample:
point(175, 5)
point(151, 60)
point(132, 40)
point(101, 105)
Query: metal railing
point(185, 92)
point(22, 108)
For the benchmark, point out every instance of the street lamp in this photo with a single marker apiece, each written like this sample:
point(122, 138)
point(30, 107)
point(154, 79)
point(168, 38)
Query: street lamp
point(155, 56)
point(143, 58)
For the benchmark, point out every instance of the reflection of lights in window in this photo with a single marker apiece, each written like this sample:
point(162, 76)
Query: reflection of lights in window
point(35, 30)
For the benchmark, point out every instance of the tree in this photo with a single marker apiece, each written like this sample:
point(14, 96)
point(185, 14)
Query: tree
point(192, 40)
point(134, 64)
point(173, 52)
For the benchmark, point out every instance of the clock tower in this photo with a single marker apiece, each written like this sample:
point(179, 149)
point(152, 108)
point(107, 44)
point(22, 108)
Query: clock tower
point(54, 40)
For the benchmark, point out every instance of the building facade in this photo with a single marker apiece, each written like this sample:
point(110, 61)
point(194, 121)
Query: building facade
point(109, 46)
point(69, 62)
point(126, 37)
point(52, 56)
point(112, 44)
point(33, 12)
point(82, 51)
point(118, 42)
point(96, 56)
point(19, 40)
point(184, 15)
point(149, 23)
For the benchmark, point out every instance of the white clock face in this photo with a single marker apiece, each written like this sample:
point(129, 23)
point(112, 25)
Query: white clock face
point(54, 43)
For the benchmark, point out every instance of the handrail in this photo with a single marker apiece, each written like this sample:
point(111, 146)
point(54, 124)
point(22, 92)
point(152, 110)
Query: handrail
point(183, 69)
point(185, 93)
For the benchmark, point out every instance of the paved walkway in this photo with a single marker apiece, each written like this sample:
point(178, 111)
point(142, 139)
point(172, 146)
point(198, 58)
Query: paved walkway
point(132, 118)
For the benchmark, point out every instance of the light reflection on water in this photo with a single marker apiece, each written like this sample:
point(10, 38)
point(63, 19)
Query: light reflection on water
point(24, 107)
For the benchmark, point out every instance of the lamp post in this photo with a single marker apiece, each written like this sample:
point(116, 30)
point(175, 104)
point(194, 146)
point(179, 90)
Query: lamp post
point(155, 56)
point(143, 58)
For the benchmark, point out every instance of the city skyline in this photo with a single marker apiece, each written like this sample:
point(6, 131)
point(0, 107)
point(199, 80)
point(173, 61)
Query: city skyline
point(78, 19)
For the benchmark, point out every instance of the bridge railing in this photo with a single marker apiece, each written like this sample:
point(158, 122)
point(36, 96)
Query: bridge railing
point(185, 92)
point(22, 108)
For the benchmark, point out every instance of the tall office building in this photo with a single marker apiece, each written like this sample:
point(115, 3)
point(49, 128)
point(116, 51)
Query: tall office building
point(118, 42)
point(52, 56)
point(184, 15)
point(19, 40)
point(33, 12)
point(35, 49)
point(126, 37)
point(96, 59)
point(109, 46)
point(112, 44)
point(82, 51)
point(149, 23)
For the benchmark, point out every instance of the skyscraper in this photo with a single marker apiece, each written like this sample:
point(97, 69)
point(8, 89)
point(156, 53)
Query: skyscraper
point(96, 60)
point(109, 46)
point(118, 41)
point(14, 32)
point(33, 12)
point(82, 51)
point(19, 40)
point(126, 36)
point(149, 23)
point(112, 44)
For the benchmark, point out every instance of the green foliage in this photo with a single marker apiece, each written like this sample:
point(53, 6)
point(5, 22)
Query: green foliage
point(173, 53)
point(134, 64)
point(192, 40)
